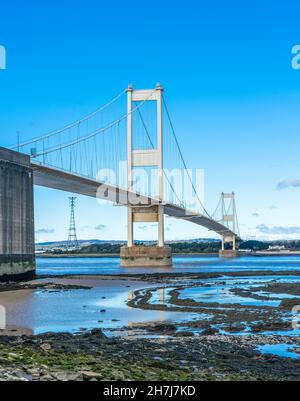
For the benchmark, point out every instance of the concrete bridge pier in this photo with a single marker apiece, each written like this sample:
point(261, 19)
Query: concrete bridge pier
point(17, 257)
point(228, 253)
point(146, 256)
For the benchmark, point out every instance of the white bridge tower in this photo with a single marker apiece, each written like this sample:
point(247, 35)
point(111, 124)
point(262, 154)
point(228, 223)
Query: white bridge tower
point(154, 213)
point(228, 206)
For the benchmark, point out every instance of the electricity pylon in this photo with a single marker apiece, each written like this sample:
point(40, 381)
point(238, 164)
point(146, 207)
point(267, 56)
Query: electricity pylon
point(72, 240)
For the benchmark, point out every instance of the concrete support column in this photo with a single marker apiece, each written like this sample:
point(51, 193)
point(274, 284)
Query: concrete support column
point(223, 243)
point(17, 256)
point(161, 231)
point(129, 164)
point(130, 227)
point(161, 227)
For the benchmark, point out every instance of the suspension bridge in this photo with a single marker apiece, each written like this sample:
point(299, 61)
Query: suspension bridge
point(126, 152)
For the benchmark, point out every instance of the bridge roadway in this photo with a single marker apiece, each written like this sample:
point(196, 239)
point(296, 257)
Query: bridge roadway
point(50, 177)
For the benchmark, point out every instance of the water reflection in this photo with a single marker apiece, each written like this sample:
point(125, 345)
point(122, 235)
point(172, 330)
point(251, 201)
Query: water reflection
point(130, 296)
point(104, 306)
point(161, 297)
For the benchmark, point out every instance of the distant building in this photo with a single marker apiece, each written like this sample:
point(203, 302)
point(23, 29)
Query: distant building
point(58, 249)
point(276, 248)
point(246, 251)
point(40, 251)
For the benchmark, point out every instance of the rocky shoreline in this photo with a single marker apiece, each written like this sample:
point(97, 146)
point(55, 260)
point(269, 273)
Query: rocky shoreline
point(48, 286)
point(92, 357)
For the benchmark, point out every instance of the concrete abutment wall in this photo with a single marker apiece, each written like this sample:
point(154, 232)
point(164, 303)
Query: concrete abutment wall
point(17, 258)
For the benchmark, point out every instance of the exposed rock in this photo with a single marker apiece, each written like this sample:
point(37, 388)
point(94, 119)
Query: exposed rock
point(88, 375)
point(45, 347)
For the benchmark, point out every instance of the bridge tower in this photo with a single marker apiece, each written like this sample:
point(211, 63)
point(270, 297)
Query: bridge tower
point(228, 206)
point(132, 255)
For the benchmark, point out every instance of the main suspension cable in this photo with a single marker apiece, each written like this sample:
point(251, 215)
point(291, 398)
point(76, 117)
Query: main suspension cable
point(92, 134)
point(67, 127)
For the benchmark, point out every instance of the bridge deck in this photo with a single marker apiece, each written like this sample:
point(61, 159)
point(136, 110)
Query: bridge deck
point(58, 179)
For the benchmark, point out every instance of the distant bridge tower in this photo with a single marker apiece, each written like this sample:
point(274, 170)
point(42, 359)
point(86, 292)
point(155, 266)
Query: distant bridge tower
point(228, 206)
point(153, 157)
point(72, 240)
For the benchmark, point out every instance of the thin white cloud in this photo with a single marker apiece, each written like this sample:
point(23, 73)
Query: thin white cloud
point(45, 231)
point(278, 230)
point(255, 215)
point(100, 227)
point(288, 183)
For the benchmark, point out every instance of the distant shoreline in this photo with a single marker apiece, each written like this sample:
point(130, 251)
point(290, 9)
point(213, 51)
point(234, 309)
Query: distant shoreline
point(266, 253)
point(111, 255)
point(65, 255)
point(183, 255)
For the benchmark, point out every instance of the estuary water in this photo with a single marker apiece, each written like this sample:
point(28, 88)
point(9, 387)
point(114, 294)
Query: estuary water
point(182, 264)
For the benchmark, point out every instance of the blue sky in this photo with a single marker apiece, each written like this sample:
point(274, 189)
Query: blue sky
point(226, 70)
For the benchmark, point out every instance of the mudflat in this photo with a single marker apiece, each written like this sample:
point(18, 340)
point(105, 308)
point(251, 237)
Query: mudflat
point(229, 326)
